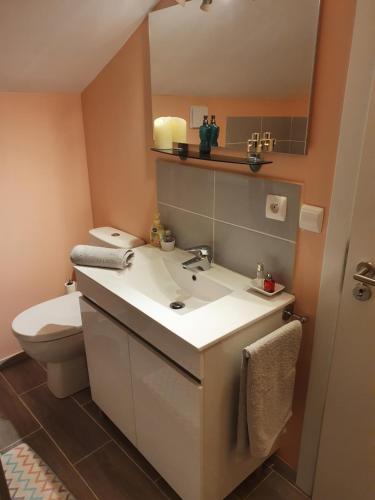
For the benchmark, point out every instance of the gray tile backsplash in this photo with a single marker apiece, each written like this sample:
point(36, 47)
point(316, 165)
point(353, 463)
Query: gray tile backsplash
point(279, 126)
point(241, 250)
point(227, 212)
point(299, 128)
point(290, 132)
point(186, 187)
point(241, 200)
point(189, 229)
point(297, 147)
point(239, 129)
point(282, 147)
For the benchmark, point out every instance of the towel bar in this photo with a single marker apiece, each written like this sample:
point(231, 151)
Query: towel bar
point(289, 315)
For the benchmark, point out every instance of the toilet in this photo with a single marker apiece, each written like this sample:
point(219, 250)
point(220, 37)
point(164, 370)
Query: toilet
point(51, 332)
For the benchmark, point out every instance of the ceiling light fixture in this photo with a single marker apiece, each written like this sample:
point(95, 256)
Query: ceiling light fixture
point(206, 5)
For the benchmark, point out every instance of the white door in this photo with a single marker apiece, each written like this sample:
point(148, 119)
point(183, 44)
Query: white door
point(346, 461)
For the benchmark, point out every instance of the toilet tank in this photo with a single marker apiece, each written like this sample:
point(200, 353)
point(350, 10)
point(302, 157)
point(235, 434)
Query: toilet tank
point(113, 238)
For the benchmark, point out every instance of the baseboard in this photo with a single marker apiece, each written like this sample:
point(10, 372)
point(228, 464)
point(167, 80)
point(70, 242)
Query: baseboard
point(13, 359)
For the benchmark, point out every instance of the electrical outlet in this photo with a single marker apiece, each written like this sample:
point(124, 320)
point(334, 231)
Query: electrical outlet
point(276, 207)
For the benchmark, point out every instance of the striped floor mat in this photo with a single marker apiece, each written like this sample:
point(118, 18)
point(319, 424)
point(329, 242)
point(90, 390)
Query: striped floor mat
point(29, 478)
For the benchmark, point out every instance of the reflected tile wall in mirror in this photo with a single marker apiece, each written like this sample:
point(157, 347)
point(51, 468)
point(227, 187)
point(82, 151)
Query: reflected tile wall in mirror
point(290, 132)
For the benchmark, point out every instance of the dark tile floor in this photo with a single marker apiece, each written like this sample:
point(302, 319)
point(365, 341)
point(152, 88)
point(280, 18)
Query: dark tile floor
point(88, 453)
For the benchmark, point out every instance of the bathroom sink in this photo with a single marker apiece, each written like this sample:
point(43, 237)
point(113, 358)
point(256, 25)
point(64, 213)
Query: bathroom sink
point(164, 280)
point(217, 302)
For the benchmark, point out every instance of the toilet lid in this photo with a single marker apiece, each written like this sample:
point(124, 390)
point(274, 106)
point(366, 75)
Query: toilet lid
point(50, 320)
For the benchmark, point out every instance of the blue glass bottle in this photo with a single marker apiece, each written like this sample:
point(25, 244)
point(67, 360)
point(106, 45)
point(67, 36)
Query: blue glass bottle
point(205, 137)
point(214, 132)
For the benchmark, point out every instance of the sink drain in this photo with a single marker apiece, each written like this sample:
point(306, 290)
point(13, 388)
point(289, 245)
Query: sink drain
point(177, 305)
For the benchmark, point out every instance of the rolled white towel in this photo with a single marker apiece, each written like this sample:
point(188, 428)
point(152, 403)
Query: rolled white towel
point(115, 258)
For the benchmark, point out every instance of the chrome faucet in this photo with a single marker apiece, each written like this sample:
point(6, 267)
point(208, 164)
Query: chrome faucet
point(201, 261)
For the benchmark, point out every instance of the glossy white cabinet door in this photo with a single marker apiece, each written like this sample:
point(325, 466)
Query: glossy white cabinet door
point(167, 407)
point(107, 351)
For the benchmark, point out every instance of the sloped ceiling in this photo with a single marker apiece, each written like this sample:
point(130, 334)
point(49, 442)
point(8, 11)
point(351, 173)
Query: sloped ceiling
point(61, 45)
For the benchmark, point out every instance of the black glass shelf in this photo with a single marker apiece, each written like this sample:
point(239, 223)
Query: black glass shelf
point(254, 164)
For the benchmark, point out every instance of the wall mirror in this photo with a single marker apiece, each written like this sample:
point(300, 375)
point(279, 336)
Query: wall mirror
point(248, 62)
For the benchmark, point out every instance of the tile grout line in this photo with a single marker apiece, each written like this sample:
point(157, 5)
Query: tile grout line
point(184, 210)
point(256, 231)
point(230, 223)
point(91, 453)
point(73, 465)
point(15, 443)
point(117, 444)
point(29, 390)
point(51, 438)
point(80, 404)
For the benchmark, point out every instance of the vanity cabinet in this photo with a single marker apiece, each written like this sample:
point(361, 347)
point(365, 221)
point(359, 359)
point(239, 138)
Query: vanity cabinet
point(167, 407)
point(108, 360)
point(185, 426)
point(150, 399)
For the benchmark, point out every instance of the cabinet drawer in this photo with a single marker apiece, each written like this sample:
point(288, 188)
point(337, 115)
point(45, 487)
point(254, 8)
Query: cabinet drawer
point(107, 351)
point(167, 406)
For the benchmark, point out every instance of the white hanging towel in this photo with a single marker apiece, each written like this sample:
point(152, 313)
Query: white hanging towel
point(266, 388)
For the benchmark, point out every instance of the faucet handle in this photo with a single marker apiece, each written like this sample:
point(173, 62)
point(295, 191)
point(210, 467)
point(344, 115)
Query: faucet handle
point(201, 251)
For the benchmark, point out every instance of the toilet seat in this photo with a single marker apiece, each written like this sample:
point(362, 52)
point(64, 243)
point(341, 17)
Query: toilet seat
point(51, 320)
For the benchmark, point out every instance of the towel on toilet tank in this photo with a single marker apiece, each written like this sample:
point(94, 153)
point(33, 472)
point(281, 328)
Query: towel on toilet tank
point(266, 388)
point(115, 258)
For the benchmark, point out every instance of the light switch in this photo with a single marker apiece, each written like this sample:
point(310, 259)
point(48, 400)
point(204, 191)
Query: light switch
point(196, 115)
point(311, 218)
point(276, 207)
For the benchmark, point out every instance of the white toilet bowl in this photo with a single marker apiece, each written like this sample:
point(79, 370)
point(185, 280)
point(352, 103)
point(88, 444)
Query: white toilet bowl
point(51, 332)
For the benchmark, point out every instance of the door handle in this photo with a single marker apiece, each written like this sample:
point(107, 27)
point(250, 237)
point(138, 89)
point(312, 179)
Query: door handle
point(365, 273)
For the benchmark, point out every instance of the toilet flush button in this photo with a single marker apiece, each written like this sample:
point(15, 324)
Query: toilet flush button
point(276, 207)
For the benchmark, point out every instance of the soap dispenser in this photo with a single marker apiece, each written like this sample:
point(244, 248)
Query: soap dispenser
point(157, 231)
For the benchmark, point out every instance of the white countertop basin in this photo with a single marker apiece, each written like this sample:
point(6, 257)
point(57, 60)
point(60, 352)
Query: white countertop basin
point(217, 303)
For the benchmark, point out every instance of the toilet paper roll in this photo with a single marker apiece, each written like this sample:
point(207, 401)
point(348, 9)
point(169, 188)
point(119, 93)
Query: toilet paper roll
point(70, 287)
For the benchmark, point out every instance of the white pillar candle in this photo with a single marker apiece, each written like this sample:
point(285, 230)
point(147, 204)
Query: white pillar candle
point(178, 129)
point(163, 137)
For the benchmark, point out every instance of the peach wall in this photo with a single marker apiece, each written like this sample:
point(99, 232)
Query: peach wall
point(222, 107)
point(45, 203)
point(118, 129)
point(122, 179)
